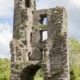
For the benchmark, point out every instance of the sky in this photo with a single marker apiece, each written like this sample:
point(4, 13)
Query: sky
point(6, 20)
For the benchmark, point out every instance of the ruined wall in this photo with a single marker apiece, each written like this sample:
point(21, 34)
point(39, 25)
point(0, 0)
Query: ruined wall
point(29, 52)
point(20, 44)
point(56, 46)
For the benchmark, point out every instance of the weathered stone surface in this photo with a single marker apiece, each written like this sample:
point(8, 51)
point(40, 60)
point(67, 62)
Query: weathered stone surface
point(29, 52)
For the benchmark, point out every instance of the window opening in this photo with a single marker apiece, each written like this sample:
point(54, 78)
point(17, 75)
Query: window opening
point(44, 35)
point(27, 3)
point(43, 19)
point(31, 38)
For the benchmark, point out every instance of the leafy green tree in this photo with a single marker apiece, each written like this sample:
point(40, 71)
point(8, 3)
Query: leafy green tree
point(74, 58)
point(5, 69)
point(74, 51)
point(73, 73)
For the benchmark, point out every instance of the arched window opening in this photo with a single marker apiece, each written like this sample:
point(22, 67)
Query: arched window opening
point(31, 72)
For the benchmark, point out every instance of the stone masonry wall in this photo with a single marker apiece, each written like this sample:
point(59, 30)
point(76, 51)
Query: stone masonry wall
point(29, 52)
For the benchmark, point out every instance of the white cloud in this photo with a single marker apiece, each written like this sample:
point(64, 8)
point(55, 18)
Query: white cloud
point(6, 8)
point(41, 4)
point(76, 2)
point(5, 37)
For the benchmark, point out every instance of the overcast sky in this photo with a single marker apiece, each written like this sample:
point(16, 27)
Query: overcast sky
point(6, 20)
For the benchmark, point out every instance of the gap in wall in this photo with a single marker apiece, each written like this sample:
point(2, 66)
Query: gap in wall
point(44, 35)
point(27, 3)
point(45, 21)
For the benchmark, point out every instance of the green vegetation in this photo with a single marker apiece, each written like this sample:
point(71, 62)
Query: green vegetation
point(21, 26)
point(39, 78)
point(73, 73)
point(43, 26)
point(4, 69)
point(74, 51)
point(39, 75)
point(20, 35)
point(32, 26)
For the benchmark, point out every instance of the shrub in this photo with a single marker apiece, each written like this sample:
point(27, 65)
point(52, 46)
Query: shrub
point(73, 73)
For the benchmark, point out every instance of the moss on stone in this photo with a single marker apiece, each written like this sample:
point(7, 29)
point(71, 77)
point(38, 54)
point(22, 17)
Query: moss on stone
point(21, 26)
point(32, 26)
point(17, 66)
point(20, 35)
point(24, 59)
point(43, 26)
point(44, 59)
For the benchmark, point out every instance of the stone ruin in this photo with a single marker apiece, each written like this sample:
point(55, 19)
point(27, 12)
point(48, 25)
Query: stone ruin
point(30, 52)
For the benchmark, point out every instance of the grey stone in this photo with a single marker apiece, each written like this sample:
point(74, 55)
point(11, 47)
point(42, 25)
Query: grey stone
point(27, 46)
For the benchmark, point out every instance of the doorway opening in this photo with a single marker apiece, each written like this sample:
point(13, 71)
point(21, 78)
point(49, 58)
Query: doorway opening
point(32, 72)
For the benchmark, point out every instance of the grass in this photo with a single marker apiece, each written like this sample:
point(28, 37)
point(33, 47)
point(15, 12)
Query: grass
point(39, 78)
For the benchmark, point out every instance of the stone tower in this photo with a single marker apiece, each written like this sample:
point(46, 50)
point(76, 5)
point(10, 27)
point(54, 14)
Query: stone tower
point(29, 52)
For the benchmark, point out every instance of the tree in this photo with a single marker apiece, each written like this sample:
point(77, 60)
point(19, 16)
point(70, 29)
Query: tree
point(74, 51)
point(74, 58)
point(5, 69)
